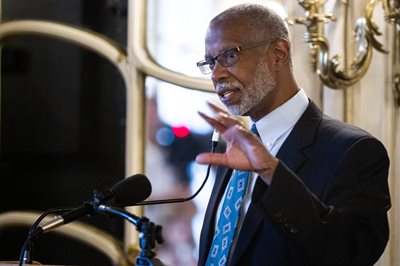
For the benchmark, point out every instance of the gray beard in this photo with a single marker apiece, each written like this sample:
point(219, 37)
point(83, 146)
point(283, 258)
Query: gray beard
point(261, 85)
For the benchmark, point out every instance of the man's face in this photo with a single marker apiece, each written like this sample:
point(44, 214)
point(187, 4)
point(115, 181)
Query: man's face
point(244, 86)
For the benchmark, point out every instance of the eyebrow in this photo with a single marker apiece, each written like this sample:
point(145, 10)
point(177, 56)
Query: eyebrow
point(221, 52)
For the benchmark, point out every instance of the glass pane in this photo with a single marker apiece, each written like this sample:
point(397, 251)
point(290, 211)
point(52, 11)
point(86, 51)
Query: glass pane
point(176, 134)
point(176, 31)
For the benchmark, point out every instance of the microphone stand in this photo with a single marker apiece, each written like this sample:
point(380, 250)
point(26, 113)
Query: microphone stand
point(149, 234)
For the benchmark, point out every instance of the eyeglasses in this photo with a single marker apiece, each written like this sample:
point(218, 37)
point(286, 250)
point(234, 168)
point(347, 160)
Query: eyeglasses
point(226, 58)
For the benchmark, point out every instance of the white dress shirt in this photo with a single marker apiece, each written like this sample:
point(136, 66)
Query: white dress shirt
point(273, 128)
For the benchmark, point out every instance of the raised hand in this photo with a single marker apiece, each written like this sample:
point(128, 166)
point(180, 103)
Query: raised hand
point(244, 150)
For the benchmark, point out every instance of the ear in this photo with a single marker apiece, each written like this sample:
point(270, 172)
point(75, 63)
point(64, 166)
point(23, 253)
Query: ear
point(281, 50)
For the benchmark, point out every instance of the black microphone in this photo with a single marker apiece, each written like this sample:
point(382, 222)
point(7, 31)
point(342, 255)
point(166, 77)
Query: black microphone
point(214, 144)
point(126, 192)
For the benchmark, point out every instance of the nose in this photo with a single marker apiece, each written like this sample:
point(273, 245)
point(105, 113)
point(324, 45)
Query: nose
point(219, 72)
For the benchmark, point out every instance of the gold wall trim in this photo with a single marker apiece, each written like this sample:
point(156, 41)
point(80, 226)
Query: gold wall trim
point(330, 71)
point(88, 39)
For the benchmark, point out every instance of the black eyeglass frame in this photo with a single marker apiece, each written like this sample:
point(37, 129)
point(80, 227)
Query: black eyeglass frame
point(211, 61)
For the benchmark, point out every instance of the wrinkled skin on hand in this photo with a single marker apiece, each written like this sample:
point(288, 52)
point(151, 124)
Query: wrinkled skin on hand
point(244, 150)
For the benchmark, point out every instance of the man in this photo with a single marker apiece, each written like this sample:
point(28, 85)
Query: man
point(317, 192)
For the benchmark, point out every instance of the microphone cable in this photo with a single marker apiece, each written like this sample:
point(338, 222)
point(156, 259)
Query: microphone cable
point(214, 144)
point(25, 256)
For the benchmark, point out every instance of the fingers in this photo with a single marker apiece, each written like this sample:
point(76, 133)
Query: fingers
point(216, 108)
point(221, 120)
point(213, 122)
point(211, 158)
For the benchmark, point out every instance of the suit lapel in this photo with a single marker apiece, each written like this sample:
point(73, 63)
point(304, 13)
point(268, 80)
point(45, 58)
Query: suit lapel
point(302, 136)
point(251, 223)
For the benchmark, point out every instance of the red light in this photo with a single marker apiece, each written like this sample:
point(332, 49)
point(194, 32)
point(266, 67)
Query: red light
point(180, 131)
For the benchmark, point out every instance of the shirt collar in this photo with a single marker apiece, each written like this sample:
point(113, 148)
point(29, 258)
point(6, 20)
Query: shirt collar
point(283, 118)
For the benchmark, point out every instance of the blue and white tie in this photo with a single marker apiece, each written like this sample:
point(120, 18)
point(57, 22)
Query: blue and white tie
point(227, 222)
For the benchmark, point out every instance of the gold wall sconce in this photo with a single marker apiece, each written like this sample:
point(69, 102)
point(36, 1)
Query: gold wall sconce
point(330, 71)
point(392, 15)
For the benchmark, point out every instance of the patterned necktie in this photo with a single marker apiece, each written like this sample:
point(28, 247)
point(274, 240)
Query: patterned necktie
point(255, 131)
point(227, 222)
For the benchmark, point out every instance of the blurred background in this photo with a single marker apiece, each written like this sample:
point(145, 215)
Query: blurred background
point(68, 123)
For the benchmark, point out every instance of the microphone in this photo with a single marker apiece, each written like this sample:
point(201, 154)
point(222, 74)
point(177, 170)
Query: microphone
point(126, 192)
point(214, 144)
point(215, 139)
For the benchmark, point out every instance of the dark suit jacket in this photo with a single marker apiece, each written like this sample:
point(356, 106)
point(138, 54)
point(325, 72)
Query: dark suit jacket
point(327, 203)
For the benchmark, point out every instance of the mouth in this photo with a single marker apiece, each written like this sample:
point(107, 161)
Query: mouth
point(227, 94)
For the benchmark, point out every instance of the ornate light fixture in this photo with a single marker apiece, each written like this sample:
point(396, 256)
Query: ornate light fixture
point(392, 15)
point(330, 71)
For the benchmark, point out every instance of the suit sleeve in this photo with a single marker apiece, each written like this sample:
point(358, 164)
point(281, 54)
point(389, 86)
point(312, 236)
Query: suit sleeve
point(345, 225)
